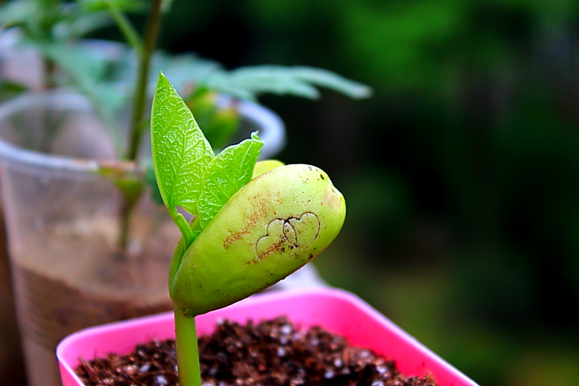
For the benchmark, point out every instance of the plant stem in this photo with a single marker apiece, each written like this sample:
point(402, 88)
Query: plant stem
point(140, 96)
point(126, 28)
point(187, 350)
point(49, 70)
point(183, 226)
point(139, 100)
point(127, 209)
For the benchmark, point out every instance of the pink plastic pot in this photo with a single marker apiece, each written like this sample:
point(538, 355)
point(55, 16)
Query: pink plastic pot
point(336, 310)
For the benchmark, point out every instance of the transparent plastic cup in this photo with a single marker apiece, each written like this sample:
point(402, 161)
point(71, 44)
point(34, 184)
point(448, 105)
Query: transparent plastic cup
point(63, 222)
point(63, 219)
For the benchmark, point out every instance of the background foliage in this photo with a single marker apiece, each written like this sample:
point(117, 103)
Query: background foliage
point(460, 173)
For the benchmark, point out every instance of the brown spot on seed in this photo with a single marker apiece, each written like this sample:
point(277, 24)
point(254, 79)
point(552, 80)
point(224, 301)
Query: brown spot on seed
point(261, 205)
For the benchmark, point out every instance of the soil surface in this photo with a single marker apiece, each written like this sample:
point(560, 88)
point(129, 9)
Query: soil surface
point(270, 353)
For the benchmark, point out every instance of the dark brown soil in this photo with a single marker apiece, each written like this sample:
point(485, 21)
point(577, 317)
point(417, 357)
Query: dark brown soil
point(270, 353)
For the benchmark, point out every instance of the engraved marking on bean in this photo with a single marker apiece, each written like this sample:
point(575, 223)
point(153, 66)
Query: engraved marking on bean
point(287, 234)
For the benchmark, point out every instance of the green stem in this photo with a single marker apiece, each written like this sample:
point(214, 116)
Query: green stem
point(127, 210)
point(183, 226)
point(126, 27)
point(49, 70)
point(139, 99)
point(140, 96)
point(187, 350)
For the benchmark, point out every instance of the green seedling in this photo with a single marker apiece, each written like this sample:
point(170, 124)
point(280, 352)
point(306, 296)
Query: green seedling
point(51, 27)
point(254, 222)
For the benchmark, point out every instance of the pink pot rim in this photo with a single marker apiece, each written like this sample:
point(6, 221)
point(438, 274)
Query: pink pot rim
point(369, 324)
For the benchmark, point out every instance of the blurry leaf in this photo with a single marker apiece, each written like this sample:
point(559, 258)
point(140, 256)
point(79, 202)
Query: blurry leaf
point(332, 81)
point(187, 70)
point(103, 5)
point(85, 73)
point(201, 102)
point(249, 82)
point(184, 69)
point(166, 5)
point(82, 25)
point(9, 90)
point(84, 70)
point(221, 126)
point(218, 124)
point(45, 21)
point(17, 12)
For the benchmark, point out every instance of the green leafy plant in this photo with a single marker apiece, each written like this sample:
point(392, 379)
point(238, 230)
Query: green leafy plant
point(55, 26)
point(253, 224)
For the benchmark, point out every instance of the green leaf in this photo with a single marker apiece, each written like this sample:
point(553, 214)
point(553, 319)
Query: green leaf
point(9, 89)
point(184, 69)
point(86, 73)
point(166, 6)
point(17, 13)
point(180, 151)
point(225, 175)
point(249, 82)
point(103, 5)
point(82, 25)
point(332, 81)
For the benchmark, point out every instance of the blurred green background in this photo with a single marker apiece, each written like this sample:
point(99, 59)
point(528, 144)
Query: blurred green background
point(460, 174)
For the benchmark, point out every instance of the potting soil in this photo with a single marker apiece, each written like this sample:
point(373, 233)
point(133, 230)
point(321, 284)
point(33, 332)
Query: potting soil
point(271, 353)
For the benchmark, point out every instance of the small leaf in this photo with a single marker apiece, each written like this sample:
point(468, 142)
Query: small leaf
point(249, 82)
point(180, 151)
point(225, 175)
point(332, 81)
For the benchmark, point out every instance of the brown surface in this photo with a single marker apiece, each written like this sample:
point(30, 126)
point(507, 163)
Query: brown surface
point(11, 364)
point(70, 277)
point(270, 353)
